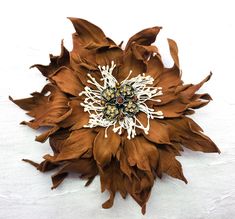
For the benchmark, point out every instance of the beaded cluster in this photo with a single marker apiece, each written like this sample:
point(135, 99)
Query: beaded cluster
point(118, 104)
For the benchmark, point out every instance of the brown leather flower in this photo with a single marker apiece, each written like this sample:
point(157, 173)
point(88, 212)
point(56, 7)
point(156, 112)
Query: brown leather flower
point(119, 113)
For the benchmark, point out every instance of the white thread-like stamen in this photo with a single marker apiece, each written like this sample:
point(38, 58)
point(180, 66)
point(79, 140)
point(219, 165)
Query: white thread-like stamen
point(143, 91)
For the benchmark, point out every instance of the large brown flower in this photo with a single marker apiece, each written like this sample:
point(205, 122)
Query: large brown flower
point(119, 113)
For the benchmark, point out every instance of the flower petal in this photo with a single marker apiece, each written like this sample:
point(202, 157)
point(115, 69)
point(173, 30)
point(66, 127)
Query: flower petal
point(169, 165)
point(185, 131)
point(130, 63)
point(141, 152)
point(45, 135)
point(105, 148)
point(77, 144)
point(47, 110)
point(191, 89)
point(155, 67)
point(67, 81)
point(85, 167)
point(139, 188)
point(56, 62)
point(80, 54)
point(58, 139)
point(170, 78)
point(112, 180)
point(158, 132)
point(165, 98)
point(172, 109)
point(105, 55)
point(174, 52)
point(145, 37)
point(77, 119)
point(88, 32)
point(82, 71)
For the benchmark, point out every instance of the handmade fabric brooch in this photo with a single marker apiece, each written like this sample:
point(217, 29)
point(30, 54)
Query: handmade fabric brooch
point(116, 112)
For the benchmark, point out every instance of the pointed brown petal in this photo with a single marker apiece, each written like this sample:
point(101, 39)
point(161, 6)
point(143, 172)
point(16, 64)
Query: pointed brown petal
point(44, 166)
point(169, 165)
point(155, 67)
point(78, 118)
point(57, 179)
point(144, 37)
point(131, 63)
point(170, 78)
point(124, 165)
point(48, 110)
point(88, 32)
point(82, 71)
point(112, 180)
point(67, 81)
point(141, 152)
point(79, 53)
point(188, 133)
point(173, 109)
point(85, 167)
point(139, 188)
point(58, 139)
point(143, 52)
point(190, 91)
point(174, 51)
point(105, 148)
point(166, 97)
point(45, 135)
point(56, 62)
point(79, 142)
point(105, 55)
point(197, 104)
point(158, 132)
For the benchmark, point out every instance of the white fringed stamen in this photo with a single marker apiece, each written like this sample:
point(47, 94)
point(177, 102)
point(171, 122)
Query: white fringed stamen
point(143, 91)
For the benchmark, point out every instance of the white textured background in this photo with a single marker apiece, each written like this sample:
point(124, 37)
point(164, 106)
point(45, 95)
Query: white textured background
point(205, 33)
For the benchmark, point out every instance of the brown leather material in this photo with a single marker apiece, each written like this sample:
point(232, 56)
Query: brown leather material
point(128, 166)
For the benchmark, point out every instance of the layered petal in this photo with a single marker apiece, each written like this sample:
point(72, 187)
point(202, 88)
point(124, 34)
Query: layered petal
point(86, 167)
point(145, 37)
point(139, 188)
point(55, 62)
point(112, 180)
point(185, 131)
point(170, 77)
point(181, 100)
point(88, 33)
point(158, 132)
point(47, 110)
point(131, 66)
point(141, 152)
point(169, 165)
point(79, 143)
point(105, 55)
point(105, 147)
point(67, 81)
point(78, 118)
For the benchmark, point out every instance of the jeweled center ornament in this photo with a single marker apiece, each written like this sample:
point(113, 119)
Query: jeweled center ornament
point(117, 104)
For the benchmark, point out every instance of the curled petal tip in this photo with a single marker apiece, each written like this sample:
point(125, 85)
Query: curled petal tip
point(10, 98)
point(210, 75)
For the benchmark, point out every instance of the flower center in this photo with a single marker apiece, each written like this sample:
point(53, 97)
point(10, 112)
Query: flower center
point(117, 104)
point(120, 100)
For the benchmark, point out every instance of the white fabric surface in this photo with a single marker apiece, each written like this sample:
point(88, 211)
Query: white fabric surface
point(205, 33)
